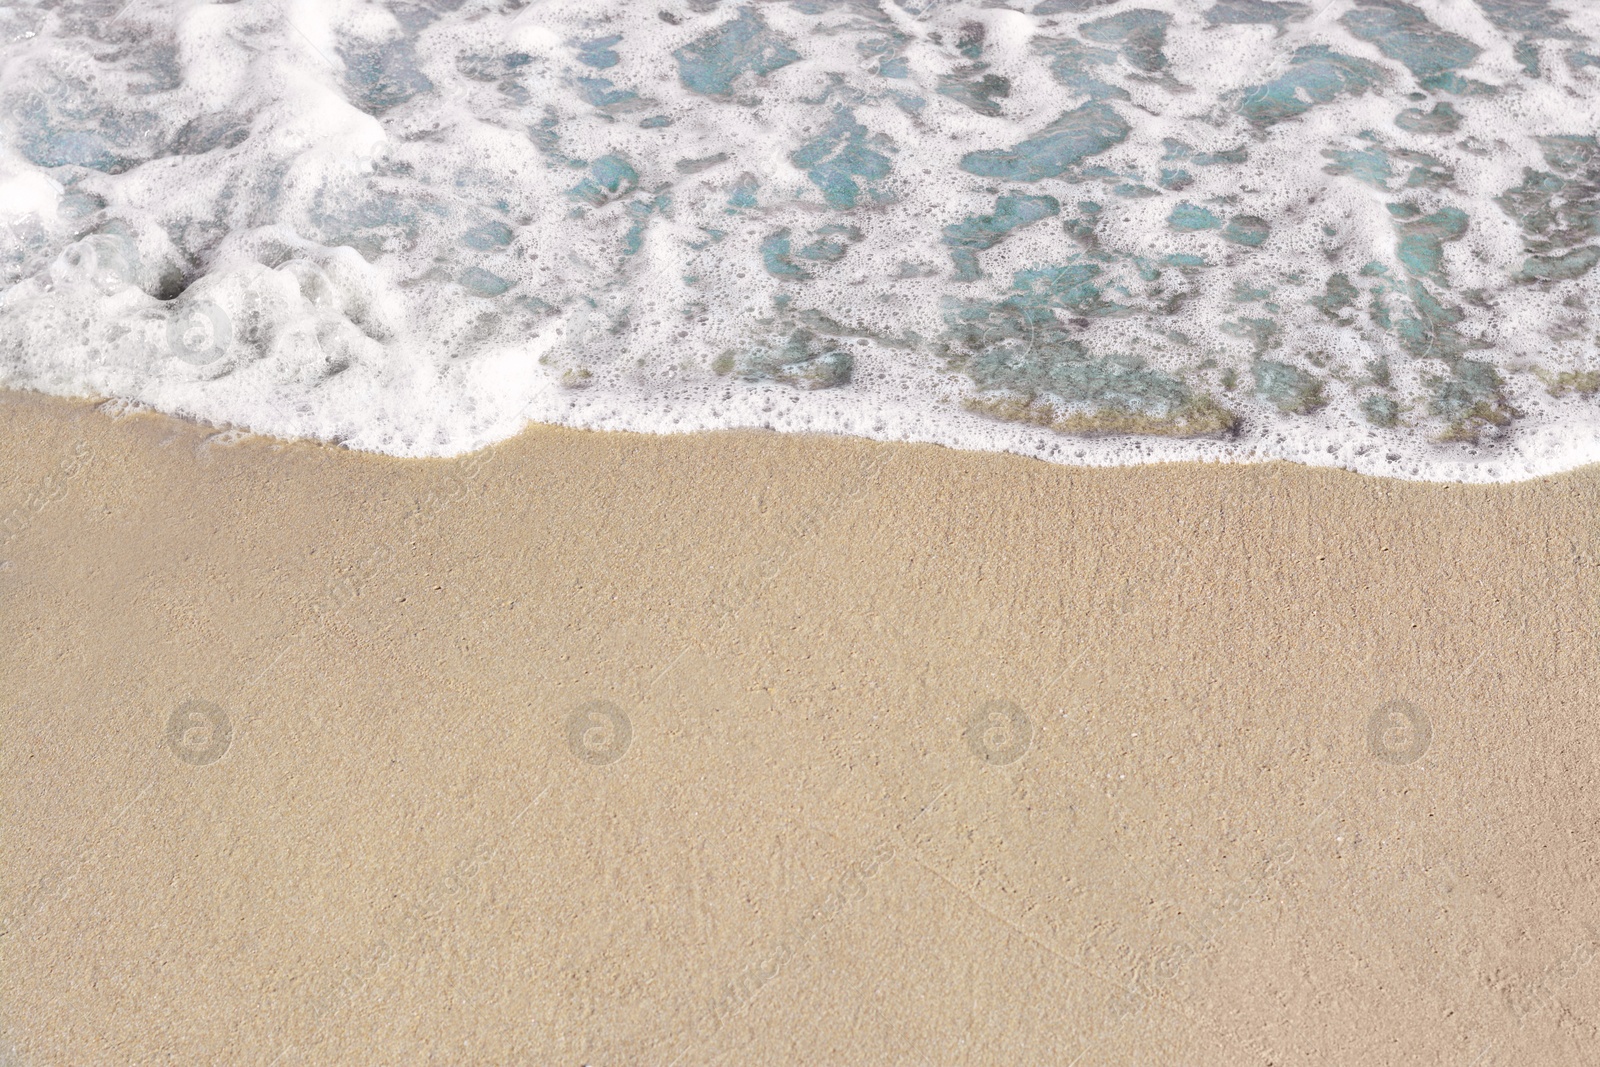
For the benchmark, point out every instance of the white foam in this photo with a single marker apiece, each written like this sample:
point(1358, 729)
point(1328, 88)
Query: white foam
point(25, 191)
point(201, 217)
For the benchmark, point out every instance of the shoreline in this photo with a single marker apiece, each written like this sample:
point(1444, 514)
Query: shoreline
point(812, 415)
point(748, 748)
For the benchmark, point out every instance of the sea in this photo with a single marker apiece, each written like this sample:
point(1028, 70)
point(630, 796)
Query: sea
point(1351, 233)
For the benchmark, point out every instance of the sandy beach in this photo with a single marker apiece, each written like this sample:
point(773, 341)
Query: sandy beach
point(746, 748)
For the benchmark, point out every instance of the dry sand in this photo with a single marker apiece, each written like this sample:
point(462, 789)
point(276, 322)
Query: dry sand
point(774, 832)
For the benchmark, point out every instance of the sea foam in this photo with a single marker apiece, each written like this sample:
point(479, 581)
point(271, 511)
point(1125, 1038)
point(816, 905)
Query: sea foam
point(1359, 233)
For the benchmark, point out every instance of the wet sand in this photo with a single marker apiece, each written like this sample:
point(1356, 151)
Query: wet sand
point(741, 748)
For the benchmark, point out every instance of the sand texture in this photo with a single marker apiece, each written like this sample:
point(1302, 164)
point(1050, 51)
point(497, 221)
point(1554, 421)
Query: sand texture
point(748, 749)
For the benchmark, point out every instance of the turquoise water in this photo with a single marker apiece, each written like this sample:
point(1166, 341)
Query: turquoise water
point(1350, 232)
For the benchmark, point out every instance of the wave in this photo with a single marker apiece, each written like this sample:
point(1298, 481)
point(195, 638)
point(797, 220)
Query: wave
point(1358, 233)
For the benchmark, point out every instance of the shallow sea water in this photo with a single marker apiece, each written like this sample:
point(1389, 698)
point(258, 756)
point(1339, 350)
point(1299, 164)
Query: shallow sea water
point(1360, 233)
